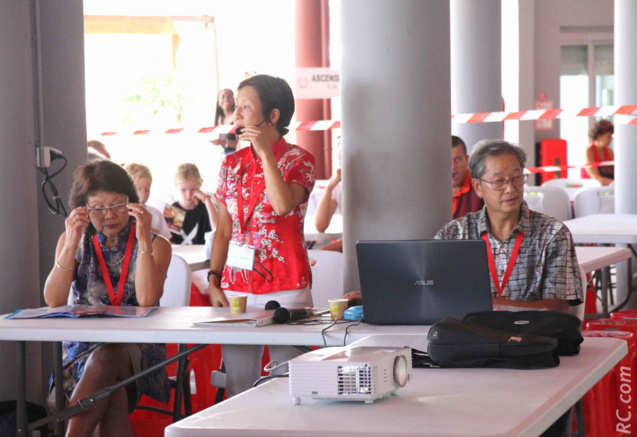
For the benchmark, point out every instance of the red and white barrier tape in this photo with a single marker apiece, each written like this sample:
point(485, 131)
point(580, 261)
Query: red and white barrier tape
point(554, 168)
point(546, 114)
point(476, 117)
point(320, 125)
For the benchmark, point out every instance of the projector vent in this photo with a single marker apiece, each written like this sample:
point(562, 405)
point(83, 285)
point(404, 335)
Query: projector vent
point(355, 380)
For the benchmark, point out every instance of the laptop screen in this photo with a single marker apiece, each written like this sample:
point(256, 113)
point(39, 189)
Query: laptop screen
point(422, 281)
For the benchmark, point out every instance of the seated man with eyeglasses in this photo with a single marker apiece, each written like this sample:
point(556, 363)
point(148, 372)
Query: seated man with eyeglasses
point(532, 258)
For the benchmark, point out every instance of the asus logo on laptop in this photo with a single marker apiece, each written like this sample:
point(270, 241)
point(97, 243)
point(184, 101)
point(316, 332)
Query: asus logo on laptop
point(422, 282)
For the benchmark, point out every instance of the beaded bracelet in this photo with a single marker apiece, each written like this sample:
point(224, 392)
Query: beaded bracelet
point(213, 273)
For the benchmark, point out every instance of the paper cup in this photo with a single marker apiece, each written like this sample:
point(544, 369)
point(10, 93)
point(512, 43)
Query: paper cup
point(237, 304)
point(337, 308)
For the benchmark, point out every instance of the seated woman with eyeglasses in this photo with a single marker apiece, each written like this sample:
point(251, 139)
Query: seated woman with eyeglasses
point(108, 256)
point(532, 258)
point(262, 194)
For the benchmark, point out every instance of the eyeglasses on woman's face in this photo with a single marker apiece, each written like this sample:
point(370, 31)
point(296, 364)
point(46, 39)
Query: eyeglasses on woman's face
point(99, 212)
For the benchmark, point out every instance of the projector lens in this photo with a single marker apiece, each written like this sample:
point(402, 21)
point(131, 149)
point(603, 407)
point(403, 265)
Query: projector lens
point(400, 371)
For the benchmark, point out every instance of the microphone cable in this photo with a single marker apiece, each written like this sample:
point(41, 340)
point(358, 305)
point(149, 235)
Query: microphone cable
point(269, 377)
point(349, 326)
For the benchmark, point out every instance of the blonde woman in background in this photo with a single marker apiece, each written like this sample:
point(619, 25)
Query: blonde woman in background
point(143, 179)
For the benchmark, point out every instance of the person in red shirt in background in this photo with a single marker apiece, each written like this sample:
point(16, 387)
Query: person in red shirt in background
point(465, 199)
point(599, 150)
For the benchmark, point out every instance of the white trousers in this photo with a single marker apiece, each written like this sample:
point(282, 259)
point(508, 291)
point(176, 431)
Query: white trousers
point(243, 362)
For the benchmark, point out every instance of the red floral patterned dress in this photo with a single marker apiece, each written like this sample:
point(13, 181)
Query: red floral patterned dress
point(281, 261)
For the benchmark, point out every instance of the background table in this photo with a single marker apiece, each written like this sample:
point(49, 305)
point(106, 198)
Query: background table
point(333, 232)
point(436, 402)
point(594, 258)
point(194, 254)
point(609, 229)
point(604, 228)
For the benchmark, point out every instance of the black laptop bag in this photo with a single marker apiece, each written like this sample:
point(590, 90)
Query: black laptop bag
point(454, 343)
point(561, 326)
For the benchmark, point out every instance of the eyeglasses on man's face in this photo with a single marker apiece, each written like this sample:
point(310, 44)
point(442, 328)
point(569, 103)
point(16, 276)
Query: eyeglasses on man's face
point(501, 184)
point(101, 211)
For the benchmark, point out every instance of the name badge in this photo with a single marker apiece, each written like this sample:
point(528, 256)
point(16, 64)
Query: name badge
point(240, 256)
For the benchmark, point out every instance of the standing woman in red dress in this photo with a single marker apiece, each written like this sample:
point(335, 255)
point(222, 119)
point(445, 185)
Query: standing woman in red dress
point(599, 151)
point(263, 225)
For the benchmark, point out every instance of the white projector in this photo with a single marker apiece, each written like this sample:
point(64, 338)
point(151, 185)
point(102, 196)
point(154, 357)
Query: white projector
point(349, 373)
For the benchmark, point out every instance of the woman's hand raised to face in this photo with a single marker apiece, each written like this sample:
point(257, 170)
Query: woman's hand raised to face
point(143, 218)
point(261, 137)
point(75, 224)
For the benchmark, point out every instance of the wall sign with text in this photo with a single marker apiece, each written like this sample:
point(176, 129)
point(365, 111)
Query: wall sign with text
point(317, 83)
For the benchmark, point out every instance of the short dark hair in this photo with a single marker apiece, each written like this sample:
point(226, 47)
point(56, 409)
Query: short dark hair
point(600, 128)
point(101, 176)
point(457, 141)
point(274, 93)
point(487, 148)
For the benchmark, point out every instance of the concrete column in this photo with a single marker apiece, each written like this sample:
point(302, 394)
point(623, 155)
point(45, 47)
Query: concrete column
point(18, 195)
point(396, 122)
point(518, 48)
point(476, 84)
point(312, 28)
point(625, 135)
point(626, 94)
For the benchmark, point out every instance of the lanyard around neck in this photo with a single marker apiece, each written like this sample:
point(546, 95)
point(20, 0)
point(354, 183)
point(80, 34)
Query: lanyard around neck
point(257, 187)
point(514, 256)
point(116, 299)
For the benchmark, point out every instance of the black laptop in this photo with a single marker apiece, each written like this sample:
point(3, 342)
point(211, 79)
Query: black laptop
point(420, 282)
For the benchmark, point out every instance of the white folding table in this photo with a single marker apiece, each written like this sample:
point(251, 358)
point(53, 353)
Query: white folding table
point(174, 325)
point(333, 232)
point(608, 229)
point(604, 228)
point(436, 402)
point(596, 258)
point(194, 254)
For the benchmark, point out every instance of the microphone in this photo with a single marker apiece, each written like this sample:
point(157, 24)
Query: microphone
point(239, 130)
point(284, 315)
point(272, 305)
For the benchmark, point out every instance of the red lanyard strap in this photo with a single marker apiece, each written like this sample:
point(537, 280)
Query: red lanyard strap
point(514, 256)
point(255, 192)
point(116, 300)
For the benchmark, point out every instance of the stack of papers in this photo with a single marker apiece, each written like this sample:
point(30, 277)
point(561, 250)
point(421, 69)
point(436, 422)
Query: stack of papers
point(76, 311)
